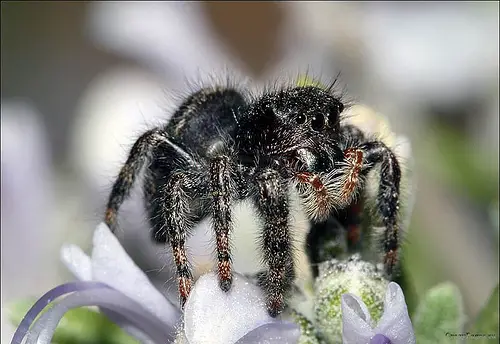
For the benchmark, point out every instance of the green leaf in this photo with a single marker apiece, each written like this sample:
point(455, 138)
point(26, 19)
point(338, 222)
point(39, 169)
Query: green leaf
point(78, 326)
point(487, 321)
point(439, 314)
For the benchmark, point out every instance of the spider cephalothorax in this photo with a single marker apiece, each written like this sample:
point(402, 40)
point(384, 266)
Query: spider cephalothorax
point(220, 147)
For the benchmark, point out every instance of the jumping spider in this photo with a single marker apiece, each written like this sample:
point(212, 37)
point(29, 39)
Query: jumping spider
point(221, 147)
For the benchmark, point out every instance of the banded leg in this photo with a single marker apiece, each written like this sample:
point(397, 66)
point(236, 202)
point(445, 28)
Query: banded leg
point(388, 198)
point(272, 203)
point(337, 188)
point(140, 153)
point(176, 216)
point(352, 137)
point(222, 191)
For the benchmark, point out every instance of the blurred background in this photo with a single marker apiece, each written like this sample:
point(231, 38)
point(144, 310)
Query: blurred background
point(81, 81)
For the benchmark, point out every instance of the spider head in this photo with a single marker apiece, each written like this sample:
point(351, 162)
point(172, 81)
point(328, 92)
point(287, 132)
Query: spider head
point(312, 111)
point(300, 124)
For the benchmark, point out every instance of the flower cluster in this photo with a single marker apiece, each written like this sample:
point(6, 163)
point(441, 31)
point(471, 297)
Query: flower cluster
point(110, 280)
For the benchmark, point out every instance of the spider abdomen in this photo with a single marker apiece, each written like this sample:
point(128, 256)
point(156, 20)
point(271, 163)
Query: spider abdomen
point(206, 118)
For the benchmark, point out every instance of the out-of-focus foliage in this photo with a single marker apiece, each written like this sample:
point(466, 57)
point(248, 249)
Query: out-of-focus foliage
point(487, 322)
point(440, 312)
point(454, 159)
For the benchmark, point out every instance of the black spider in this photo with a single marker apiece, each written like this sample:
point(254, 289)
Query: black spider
point(221, 146)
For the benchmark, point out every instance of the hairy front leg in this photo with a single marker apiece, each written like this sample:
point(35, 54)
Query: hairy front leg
point(175, 212)
point(222, 191)
point(324, 193)
point(272, 203)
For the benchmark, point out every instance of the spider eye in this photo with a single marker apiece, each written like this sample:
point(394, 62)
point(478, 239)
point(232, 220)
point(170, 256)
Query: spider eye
point(318, 122)
point(301, 119)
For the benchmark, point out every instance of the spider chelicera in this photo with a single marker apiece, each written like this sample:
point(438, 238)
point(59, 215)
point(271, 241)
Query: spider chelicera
point(221, 146)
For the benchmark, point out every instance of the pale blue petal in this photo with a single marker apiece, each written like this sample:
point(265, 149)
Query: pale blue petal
point(395, 323)
point(356, 320)
point(112, 265)
point(77, 262)
point(43, 329)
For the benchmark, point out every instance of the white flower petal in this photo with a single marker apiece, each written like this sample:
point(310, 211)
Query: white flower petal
point(112, 265)
point(214, 316)
point(395, 322)
point(355, 320)
point(77, 262)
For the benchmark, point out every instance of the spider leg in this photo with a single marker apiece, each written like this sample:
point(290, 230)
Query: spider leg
point(376, 152)
point(176, 215)
point(222, 191)
point(353, 163)
point(172, 182)
point(272, 203)
point(361, 157)
point(140, 153)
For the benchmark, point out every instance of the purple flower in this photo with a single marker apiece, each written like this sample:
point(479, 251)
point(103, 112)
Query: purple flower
point(112, 281)
point(394, 326)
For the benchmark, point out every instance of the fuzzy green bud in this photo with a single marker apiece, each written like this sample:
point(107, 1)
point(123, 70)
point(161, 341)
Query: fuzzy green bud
point(340, 277)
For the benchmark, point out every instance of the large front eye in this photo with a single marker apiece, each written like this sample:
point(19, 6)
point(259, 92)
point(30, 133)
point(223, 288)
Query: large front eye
point(301, 119)
point(317, 122)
